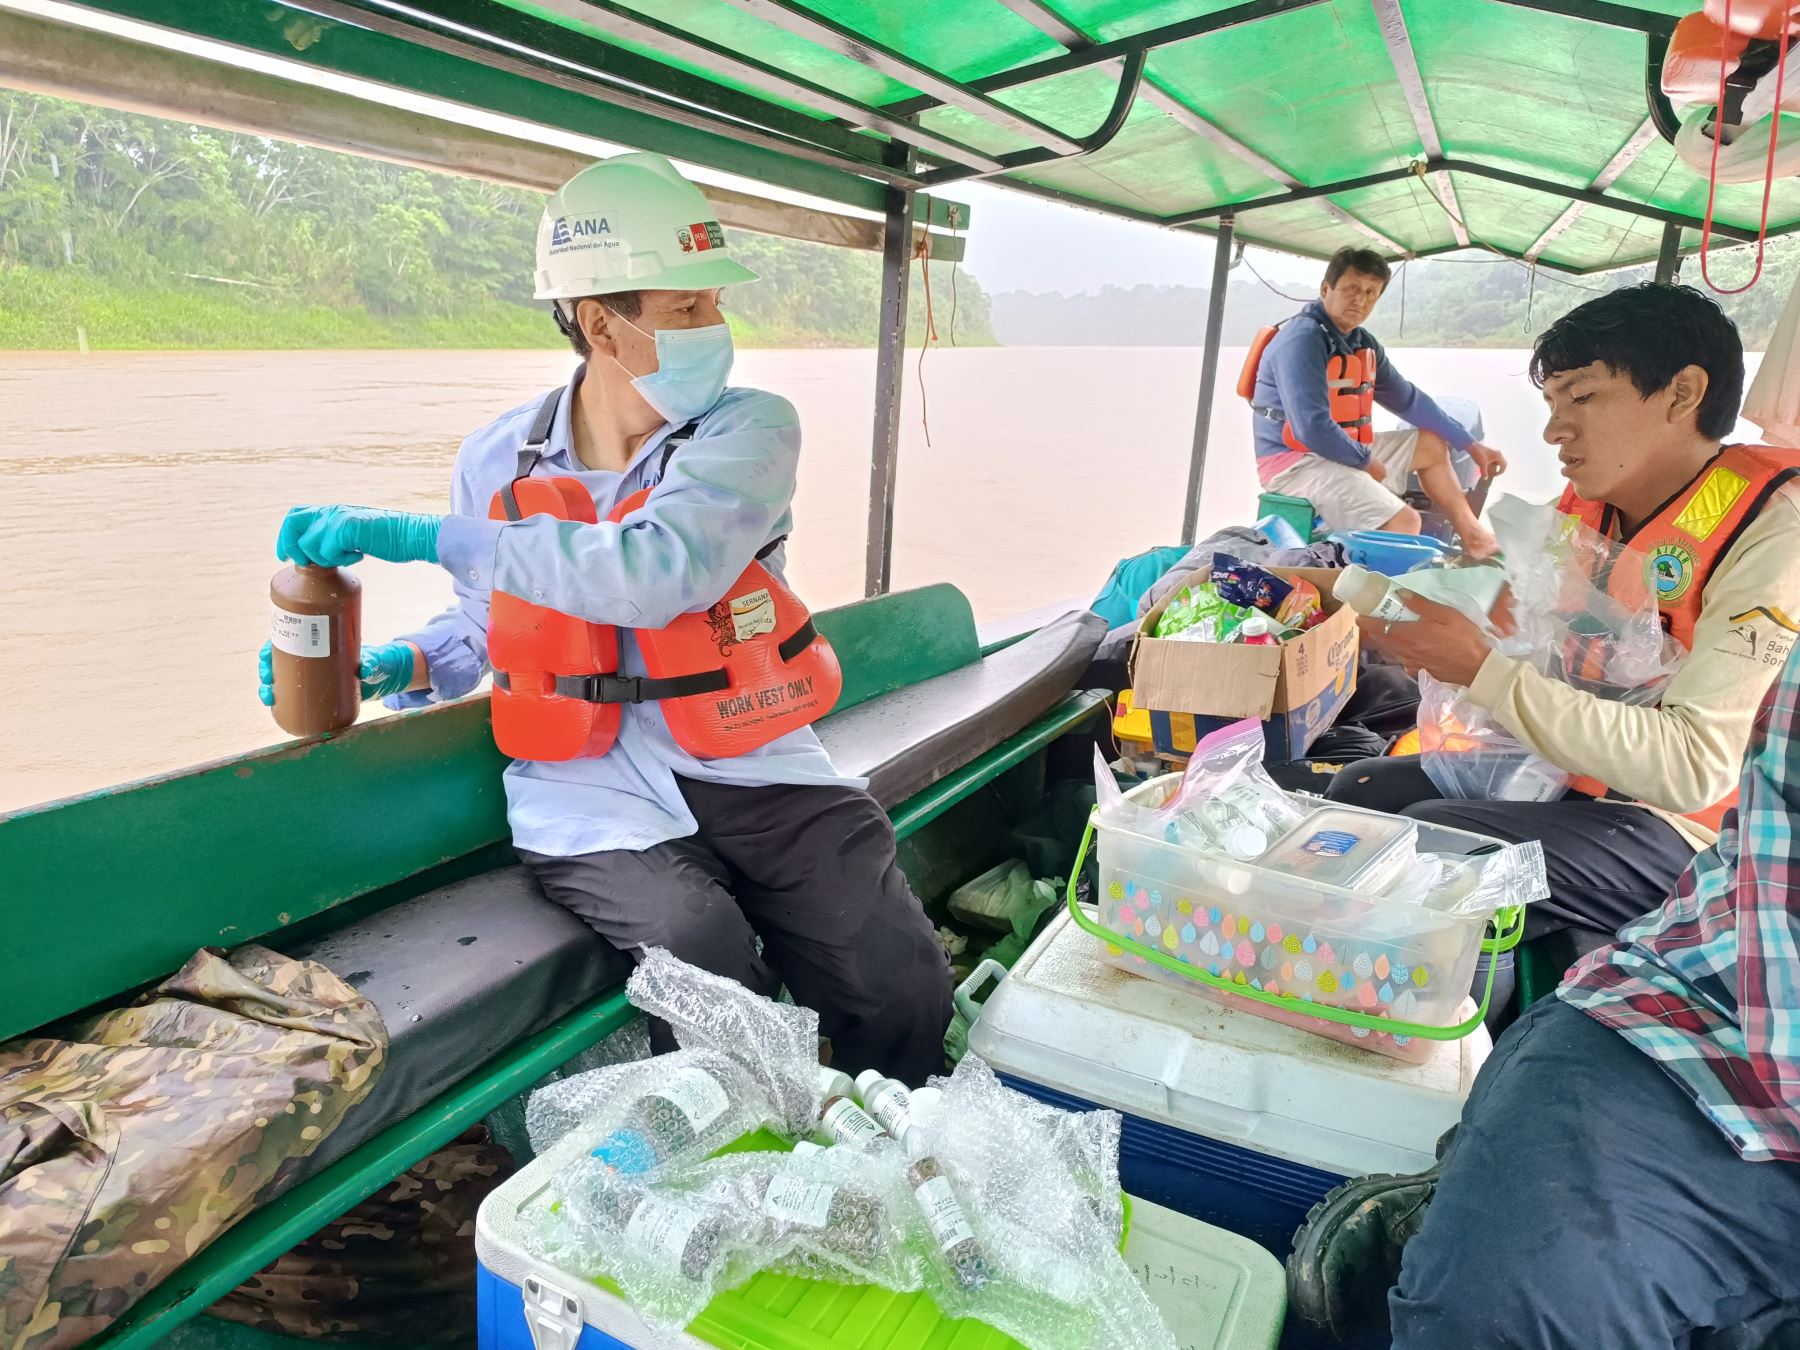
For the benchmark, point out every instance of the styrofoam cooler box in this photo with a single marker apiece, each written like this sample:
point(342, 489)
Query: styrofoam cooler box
point(1232, 1118)
point(1216, 1290)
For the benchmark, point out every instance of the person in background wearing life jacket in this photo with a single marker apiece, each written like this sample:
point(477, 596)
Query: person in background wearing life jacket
point(1642, 386)
point(1311, 401)
point(621, 539)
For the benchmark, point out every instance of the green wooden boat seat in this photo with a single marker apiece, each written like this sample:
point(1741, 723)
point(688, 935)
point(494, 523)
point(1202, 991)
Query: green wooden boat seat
point(399, 826)
point(464, 972)
point(908, 739)
point(460, 975)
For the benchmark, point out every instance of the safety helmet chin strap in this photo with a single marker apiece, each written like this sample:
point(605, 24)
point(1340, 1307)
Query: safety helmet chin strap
point(563, 311)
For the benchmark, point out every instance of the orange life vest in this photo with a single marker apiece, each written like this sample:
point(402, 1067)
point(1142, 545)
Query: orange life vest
point(1349, 390)
point(1682, 543)
point(731, 678)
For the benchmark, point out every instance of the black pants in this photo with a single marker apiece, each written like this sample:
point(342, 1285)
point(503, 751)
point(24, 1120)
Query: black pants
point(811, 872)
point(1587, 1204)
point(1608, 863)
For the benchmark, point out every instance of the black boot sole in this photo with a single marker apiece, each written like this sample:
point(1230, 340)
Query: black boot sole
point(1309, 1298)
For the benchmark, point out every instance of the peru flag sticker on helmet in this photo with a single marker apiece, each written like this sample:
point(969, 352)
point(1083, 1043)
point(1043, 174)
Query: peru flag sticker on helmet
point(701, 236)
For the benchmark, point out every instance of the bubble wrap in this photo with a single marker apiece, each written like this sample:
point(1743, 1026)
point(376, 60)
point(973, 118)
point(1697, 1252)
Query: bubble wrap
point(1054, 1279)
point(506, 1122)
point(777, 1043)
point(644, 1118)
point(836, 1214)
point(669, 1249)
point(1087, 1142)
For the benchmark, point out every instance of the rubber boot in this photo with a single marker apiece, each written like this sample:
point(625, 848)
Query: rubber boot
point(1346, 1255)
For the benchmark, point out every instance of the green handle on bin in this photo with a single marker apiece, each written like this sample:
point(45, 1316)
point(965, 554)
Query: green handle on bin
point(964, 997)
point(1508, 926)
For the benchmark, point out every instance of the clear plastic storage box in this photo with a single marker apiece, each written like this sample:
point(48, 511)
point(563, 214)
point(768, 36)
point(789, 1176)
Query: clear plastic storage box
point(1395, 975)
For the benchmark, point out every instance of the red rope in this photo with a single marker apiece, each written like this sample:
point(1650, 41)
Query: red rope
point(1712, 177)
point(923, 249)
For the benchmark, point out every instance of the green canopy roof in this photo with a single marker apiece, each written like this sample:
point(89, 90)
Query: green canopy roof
point(1534, 127)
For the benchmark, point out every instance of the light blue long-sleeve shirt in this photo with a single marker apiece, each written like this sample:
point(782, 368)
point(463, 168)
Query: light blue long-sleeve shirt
point(1292, 379)
point(727, 494)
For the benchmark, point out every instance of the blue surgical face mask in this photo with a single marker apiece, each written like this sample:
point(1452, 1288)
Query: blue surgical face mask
point(692, 365)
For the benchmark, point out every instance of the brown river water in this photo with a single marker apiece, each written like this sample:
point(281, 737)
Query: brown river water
point(140, 494)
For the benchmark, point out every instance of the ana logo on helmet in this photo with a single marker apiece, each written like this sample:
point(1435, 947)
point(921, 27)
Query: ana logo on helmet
point(567, 229)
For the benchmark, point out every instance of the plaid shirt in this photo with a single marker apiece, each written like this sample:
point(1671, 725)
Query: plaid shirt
point(1709, 985)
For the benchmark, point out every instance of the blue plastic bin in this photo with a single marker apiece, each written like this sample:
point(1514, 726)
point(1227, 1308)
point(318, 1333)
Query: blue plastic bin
point(1389, 553)
point(1233, 1119)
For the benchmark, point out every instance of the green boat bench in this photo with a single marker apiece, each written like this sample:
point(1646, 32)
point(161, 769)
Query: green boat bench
point(383, 852)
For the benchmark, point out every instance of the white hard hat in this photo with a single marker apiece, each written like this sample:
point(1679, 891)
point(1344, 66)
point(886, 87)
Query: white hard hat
point(631, 223)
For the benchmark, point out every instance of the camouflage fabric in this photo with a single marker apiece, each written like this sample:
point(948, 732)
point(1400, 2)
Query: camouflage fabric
point(398, 1267)
point(135, 1137)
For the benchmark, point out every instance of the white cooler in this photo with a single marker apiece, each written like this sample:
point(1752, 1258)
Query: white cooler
point(1229, 1117)
point(1217, 1291)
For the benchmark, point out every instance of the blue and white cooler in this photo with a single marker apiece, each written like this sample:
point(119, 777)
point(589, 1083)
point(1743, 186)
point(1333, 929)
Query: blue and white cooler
point(1216, 1290)
point(1232, 1118)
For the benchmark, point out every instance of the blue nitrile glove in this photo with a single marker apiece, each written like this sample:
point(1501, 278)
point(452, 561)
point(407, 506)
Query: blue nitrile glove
point(384, 670)
point(336, 536)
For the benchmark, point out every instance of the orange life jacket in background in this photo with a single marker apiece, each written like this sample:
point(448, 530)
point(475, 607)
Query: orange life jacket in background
point(1259, 344)
point(1682, 544)
point(731, 678)
point(1349, 390)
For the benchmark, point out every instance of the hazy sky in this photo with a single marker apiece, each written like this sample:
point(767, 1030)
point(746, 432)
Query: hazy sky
point(1022, 243)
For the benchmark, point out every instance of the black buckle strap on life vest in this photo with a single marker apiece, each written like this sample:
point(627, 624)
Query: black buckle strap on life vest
point(677, 438)
point(629, 688)
point(641, 689)
point(1277, 415)
point(535, 441)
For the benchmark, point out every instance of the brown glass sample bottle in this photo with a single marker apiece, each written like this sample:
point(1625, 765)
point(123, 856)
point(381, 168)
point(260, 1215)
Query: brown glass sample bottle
point(315, 636)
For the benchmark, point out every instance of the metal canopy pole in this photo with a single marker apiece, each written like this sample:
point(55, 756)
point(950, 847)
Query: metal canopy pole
point(1131, 79)
point(1668, 261)
point(672, 44)
point(593, 84)
point(1053, 25)
point(890, 350)
point(1209, 377)
point(1251, 11)
point(1600, 199)
point(1412, 85)
point(1474, 169)
point(816, 28)
point(1628, 154)
point(1299, 194)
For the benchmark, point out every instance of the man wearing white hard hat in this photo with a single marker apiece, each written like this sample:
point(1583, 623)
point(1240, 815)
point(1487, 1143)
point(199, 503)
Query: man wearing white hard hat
point(768, 865)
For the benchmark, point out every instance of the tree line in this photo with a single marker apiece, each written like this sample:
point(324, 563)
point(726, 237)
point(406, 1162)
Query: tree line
point(101, 209)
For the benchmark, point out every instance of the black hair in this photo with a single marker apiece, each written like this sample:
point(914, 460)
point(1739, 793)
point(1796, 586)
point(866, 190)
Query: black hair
point(1349, 258)
point(1650, 333)
point(626, 304)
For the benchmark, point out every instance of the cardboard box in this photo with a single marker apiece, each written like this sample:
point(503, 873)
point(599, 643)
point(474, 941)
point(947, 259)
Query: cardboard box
point(1296, 689)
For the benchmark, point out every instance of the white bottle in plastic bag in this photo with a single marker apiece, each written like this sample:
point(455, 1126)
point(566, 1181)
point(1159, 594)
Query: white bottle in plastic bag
point(886, 1099)
point(844, 1122)
point(835, 1083)
point(1472, 590)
